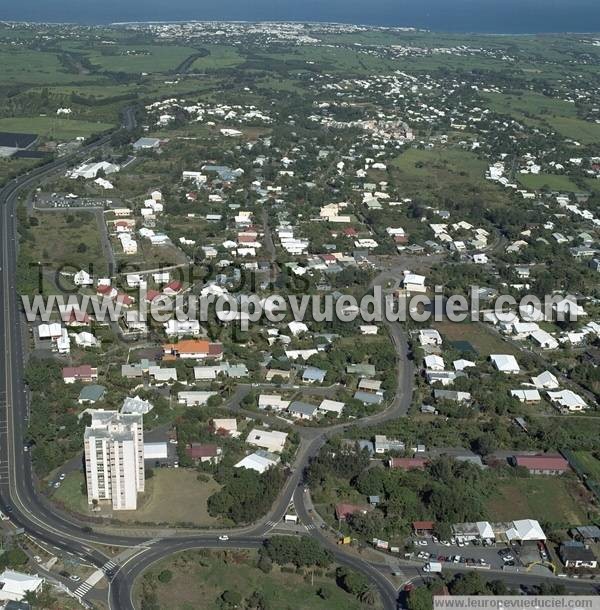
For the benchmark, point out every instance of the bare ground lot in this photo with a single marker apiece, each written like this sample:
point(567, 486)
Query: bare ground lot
point(558, 500)
point(172, 496)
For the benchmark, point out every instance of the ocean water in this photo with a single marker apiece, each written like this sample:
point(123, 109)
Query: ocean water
point(485, 16)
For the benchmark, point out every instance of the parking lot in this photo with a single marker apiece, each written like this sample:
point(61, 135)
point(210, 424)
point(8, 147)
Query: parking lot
point(495, 556)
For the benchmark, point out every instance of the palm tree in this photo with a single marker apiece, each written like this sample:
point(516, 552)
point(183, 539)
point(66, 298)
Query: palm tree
point(368, 596)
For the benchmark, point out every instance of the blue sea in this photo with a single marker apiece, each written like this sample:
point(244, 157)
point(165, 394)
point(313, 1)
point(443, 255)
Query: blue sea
point(483, 16)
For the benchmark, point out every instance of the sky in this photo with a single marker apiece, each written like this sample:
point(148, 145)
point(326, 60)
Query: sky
point(496, 16)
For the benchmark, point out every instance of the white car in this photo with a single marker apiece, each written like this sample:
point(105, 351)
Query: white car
point(223, 537)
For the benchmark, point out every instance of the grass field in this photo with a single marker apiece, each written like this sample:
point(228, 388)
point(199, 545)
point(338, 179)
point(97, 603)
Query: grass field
point(157, 504)
point(554, 499)
point(199, 579)
point(71, 493)
point(34, 67)
point(58, 239)
point(439, 174)
point(548, 181)
point(529, 104)
point(52, 127)
point(220, 56)
point(590, 464)
point(140, 58)
point(484, 341)
point(582, 131)
point(173, 496)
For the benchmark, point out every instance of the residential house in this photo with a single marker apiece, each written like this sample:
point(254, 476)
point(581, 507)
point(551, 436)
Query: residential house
point(302, 410)
point(414, 463)
point(204, 453)
point(272, 401)
point(90, 394)
point(331, 406)
point(271, 440)
point(577, 555)
point(383, 444)
point(84, 373)
point(193, 349)
point(542, 464)
point(259, 461)
point(194, 398)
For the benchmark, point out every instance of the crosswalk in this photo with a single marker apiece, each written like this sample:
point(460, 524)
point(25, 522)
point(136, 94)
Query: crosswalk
point(310, 526)
point(85, 587)
point(272, 523)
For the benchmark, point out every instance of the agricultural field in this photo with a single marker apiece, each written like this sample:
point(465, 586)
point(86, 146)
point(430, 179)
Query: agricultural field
point(34, 68)
point(139, 58)
point(198, 579)
point(558, 500)
point(54, 128)
point(549, 182)
point(219, 56)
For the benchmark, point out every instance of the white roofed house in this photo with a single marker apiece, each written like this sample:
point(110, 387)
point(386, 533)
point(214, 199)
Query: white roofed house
point(259, 461)
point(271, 440)
point(544, 339)
point(429, 336)
point(411, 282)
point(545, 381)
point(194, 398)
point(14, 586)
point(272, 401)
point(136, 405)
point(182, 328)
point(526, 395)
point(505, 363)
point(434, 362)
point(567, 400)
point(331, 406)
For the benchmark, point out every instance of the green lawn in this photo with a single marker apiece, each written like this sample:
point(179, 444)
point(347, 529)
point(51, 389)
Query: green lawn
point(53, 128)
point(548, 181)
point(72, 493)
point(556, 500)
point(200, 578)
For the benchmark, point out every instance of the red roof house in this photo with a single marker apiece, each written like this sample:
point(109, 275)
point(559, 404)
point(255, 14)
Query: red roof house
point(552, 464)
point(408, 463)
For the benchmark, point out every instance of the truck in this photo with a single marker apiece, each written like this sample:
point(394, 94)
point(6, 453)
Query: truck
point(432, 567)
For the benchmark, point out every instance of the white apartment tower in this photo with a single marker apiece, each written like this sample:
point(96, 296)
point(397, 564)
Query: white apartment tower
point(114, 458)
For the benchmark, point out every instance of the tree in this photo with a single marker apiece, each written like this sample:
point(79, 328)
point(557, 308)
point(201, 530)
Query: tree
point(420, 599)
point(368, 596)
point(231, 599)
point(324, 593)
point(165, 576)
point(352, 582)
